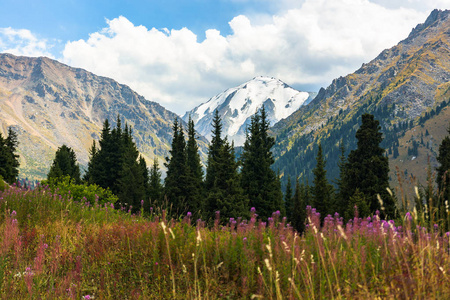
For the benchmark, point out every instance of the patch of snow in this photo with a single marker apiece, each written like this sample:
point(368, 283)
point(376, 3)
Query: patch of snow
point(237, 105)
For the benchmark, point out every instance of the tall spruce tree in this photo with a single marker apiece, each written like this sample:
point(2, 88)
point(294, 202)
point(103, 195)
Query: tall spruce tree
point(3, 157)
point(222, 188)
point(90, 175)
point(322, 191)
point(176, 180)
point(367, 169)
point(145, 175)
point(341, 202)
point(288, 199)
point(213, 151)
point(9, 160)
point(260, 183)
point(130, 185)
point(226, 194)
point(156, 188)
point(103, 160)
point(443, 171)
point(195, 172)
point(65, 163)
point(298, 217)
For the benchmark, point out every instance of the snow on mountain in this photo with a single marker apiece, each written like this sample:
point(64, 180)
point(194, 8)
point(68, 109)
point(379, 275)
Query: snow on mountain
point(237, 105)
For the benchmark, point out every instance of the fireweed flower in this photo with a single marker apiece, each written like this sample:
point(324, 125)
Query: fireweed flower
point(189, 214)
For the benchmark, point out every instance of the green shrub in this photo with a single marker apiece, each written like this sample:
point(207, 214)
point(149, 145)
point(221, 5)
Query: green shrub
point(66, 186)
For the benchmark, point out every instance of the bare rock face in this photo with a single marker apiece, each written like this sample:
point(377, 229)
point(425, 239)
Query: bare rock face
point(50, 104)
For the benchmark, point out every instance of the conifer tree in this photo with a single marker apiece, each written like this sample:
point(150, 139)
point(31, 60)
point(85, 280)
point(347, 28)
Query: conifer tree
point(195, 172)
point(9, 160)
point(145, 175)
point(322, 191)
point(288, 199)
point(340, 200)
point(130, 185)
point(89, 177)
point(115, 165)
point(175, 183)
point(443, 173)
point(213, 151)
point(101, 163)
point(156, 188)
point(356, 202)
point(226, 195)
point(299, 209)
point(222, 188)
point(367, 169)
point(3, 156)
point(65, 163)
point(260, 183)
point(443, 176)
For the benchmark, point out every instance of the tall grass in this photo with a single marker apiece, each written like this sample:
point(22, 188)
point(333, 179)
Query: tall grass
point(54, 248)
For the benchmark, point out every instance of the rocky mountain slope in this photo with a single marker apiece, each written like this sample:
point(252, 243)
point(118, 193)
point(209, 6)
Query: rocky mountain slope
point(404, 87)
point(49, 104)
point(237, 105)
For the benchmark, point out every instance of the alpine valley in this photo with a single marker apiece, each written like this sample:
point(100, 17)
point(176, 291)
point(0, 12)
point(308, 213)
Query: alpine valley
point(405, 87)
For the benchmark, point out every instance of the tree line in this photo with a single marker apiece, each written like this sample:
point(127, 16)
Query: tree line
point(228, 189)
point(230, 186)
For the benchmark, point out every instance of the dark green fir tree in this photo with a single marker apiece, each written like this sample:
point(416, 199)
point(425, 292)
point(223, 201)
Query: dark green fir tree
point(367, 169)
point(65, 163)
point(213, 151)
point(9, 159)
point(156, 189)
point(298, 218)
point(260, 183)
point(288, 199)
point(322, 191)
point(195, 173)
point(226, 195)
point(176, 181)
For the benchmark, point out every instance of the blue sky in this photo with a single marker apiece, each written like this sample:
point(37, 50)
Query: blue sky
point(180, 53)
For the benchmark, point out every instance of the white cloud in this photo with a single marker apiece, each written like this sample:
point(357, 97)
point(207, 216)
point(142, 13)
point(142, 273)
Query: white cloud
point(22, 42)
point(309, 45)
point(304, 43)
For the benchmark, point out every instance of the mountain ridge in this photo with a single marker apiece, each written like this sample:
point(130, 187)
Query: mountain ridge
point(49, 104)
point(399, 86)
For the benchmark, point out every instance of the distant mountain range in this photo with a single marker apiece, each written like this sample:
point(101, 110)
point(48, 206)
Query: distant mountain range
point(237, 105)
point(49, 104)
point(406, 87)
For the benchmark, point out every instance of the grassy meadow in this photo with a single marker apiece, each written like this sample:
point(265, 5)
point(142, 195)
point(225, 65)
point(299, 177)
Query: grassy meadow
point(52, 247)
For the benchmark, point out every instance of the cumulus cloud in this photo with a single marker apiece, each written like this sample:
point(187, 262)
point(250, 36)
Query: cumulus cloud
point(22, 42)
point(305, 46)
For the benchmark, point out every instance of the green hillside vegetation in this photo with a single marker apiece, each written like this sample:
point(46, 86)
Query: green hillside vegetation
point(403, 87)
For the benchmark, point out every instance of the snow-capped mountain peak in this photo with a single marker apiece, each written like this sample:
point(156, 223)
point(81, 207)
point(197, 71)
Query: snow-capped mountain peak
point(237, 105)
